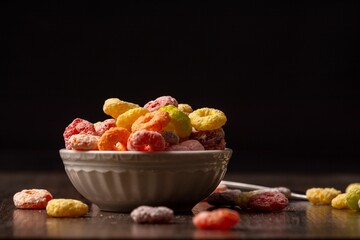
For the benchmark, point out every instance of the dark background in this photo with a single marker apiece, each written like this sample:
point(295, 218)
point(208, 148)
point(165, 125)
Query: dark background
point(284, 73)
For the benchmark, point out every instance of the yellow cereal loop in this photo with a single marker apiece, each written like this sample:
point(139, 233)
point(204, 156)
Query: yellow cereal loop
point(114, 107)
point(127, 118)
point(205, 119)
point(179, 120)
point(351, 186)
point(339, 202)
point(184, 107)
point(62, 207)
point(321, 196)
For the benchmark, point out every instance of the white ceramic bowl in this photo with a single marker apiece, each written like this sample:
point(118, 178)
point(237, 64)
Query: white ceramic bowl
point(123, 180)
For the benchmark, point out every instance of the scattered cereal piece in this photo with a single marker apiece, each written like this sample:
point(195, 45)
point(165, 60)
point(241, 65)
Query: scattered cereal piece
point(352, 185)
point(218, 219)
point(353, 197)
point(62, 207)
point(148, 214)
point(262, 200)
point(339, 202)
point(321, 196)
point(268, 201)
point(32, 198)
point(224, 198)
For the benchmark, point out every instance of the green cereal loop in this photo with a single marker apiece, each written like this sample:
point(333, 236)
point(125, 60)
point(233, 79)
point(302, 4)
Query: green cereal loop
point(352, 198)
point(179, 119)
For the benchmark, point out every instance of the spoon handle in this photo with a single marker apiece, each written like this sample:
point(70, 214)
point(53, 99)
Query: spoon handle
point(250, 187)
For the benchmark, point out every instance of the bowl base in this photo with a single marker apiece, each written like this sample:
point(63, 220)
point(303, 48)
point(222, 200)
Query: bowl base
point(127, 209)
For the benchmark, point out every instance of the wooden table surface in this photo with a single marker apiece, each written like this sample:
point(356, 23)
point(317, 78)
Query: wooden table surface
point(300, 220)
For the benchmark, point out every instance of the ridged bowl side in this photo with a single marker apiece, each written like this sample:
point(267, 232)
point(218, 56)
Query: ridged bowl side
point(123, 181)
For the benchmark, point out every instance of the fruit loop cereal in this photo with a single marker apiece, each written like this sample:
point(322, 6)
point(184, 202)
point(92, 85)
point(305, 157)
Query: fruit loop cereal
point(127, 119)
point(77, 126)
point(147, 141)
point(148, 214)
point(114, 107)
point(187, 145)
point(186, 108)
point(114, 139)
point(160, 102)
point(179, 120)
point(350, 199)
point(339, 202)
point(262, 200)
point(353, 197)
point(224, 198)
point(32, 198)
point(205, 119)
point(213, 139)
point(62, 207)
point(101, 127)
point(160, 125)
point(351, 186)
point(83, 141)
point(218, 219)
point(152, 121)
point(321, 196)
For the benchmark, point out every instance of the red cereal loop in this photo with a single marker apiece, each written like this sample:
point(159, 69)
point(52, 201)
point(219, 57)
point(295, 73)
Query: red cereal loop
point(218, 219)
point(32, 198)
point(144, 140)
point(268, 201)
point(77, 126)
point(152, 121)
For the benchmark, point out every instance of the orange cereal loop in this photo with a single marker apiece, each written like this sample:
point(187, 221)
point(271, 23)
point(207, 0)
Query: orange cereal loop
point(114, 139)
point(114, 107)
point(153, 121)
point(126, 119)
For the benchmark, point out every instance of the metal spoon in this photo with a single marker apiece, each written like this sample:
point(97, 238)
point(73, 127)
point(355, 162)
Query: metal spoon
point(250, 187)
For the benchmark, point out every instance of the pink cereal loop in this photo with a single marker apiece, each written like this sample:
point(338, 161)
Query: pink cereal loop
point(159, 102)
